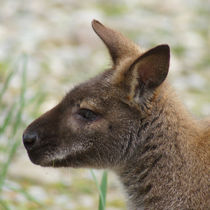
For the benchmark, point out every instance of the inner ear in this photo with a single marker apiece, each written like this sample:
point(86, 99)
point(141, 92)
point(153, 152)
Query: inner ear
point(151, 68)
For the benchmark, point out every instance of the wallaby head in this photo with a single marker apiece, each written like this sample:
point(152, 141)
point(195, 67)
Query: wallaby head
point(124, 119)
point(93, 124)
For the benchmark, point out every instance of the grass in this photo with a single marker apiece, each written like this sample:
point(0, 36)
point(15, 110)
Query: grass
point(12, 122)
point(17, 107)
point(102, 189)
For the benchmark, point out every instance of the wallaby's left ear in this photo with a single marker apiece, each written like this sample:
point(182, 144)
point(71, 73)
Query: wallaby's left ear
point(152, 67)
point(118, 45)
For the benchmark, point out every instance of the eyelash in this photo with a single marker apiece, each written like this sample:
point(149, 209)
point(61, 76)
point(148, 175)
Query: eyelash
point(87, 114)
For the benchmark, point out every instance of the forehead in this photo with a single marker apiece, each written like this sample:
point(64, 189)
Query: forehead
point(96, 90)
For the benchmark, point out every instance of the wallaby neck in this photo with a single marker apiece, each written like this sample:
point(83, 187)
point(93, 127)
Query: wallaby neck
point(159, 157)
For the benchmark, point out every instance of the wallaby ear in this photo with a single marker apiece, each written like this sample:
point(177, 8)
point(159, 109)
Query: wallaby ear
point(152, 67)
point(119, 46)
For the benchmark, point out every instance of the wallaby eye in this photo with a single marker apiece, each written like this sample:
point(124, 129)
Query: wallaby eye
point(87, 114)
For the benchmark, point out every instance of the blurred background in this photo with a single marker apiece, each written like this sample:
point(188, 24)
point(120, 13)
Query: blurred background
point(48, 46)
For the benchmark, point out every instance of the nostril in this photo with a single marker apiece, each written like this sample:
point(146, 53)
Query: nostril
point(30, 140)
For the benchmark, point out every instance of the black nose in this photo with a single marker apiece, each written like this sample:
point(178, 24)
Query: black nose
point(30, 140)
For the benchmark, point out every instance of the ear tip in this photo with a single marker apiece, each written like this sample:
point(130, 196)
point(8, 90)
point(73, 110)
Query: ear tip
point(95, 23)
point(165, 47)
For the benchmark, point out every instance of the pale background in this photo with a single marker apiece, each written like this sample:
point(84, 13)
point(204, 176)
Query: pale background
point(62, 50)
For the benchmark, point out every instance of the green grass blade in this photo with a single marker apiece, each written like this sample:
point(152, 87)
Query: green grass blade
point(103, 189)
point(25, 193)
point(8, 78)
point(14, 145)
point(6, 84)
point(22, 97)
point(6, 165)
point(3, 205)
point(8, 118)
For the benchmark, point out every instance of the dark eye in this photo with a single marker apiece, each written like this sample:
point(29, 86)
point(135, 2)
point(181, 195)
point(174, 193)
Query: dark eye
point(87, 114)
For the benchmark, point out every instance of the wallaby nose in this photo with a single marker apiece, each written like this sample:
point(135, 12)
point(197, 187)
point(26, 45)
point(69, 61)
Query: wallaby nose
point(30, 140)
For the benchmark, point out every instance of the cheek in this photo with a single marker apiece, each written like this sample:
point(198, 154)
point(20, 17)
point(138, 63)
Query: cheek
point(73, 124)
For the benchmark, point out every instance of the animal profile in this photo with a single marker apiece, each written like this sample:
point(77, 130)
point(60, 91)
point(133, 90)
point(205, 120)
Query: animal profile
point(128, 119)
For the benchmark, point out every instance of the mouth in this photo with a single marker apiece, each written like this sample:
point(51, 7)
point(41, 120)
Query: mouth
point(54, 155)
point(42, 155)
point(49, 157)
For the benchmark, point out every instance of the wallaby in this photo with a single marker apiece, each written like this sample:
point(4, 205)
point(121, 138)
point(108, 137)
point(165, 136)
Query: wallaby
point(128, 119)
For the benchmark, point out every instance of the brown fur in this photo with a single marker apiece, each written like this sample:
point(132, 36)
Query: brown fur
point(128, 119)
